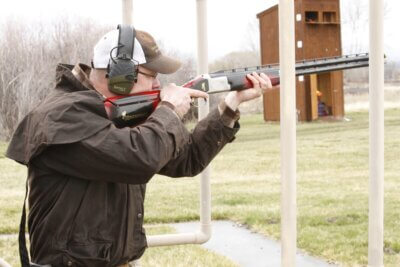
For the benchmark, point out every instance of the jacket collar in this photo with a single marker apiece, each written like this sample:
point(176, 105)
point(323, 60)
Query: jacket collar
point(77, 76)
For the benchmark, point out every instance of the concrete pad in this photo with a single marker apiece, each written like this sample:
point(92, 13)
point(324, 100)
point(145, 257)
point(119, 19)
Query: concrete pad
point(246, 248)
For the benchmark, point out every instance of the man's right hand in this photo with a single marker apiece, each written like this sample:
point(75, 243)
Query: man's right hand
point(180, 97)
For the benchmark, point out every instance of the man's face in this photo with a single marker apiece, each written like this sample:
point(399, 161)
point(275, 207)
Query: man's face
point(147, 81)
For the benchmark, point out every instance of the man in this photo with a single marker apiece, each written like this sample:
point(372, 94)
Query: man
point(87, 177)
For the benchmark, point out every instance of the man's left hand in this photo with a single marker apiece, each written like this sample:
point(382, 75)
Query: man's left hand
point(261, 83)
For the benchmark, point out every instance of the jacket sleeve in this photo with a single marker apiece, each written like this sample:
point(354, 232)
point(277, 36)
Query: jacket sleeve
point(128, 155)
point(208, 137)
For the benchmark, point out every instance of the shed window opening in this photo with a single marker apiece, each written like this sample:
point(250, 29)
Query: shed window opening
point(329, 16)
point(311, 16)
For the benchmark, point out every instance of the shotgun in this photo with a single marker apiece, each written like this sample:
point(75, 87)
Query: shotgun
point(134, 109)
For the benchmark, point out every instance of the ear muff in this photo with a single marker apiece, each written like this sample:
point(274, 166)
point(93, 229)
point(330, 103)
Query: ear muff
point(122, 70)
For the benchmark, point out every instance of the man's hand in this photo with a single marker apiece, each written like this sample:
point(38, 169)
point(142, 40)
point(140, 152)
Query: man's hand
point(260, 82)
point(180, 97)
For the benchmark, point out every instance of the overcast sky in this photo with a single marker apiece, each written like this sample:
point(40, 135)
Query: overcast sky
point(174, 21)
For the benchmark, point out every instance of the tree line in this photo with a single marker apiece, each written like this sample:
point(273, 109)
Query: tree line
point(30, 52)
point(29, 55)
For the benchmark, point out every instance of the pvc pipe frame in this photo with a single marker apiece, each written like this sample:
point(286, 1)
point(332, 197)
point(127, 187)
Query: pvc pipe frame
point(287, 132)
point(376, 130)
point(288, 138)
point(127, 11)
point(204, 234)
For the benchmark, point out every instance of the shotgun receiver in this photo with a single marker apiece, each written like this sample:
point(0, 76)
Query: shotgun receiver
point(133, 109)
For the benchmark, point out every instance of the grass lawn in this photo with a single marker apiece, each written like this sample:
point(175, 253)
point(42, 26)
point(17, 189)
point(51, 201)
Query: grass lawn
point(332, 188)
point(173, 256)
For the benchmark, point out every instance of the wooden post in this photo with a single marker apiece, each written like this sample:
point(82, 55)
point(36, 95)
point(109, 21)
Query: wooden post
point(314, 97)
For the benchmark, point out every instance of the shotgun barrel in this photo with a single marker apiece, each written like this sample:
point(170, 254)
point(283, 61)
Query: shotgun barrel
point(235, 79)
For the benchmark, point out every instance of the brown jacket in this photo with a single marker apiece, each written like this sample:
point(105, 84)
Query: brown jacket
point(87, 178)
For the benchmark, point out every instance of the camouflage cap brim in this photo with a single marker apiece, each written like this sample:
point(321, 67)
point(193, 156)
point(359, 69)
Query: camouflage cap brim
point(163, 64)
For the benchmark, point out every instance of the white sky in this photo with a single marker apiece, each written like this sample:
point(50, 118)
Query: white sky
point(174, 21)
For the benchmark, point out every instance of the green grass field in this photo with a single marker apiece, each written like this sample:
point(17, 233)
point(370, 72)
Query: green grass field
point(332, 191)
point(174, 256)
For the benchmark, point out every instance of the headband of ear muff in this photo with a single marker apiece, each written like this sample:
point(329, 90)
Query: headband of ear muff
point(122, 70)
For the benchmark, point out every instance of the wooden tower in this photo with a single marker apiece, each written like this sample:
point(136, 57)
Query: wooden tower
point(317, 33)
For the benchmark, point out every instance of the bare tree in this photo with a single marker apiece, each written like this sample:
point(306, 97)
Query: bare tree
point(30, 53)
point(239, 59)
point(392, 71)
point(354, 26)
point(355, 34)
point(251, 41)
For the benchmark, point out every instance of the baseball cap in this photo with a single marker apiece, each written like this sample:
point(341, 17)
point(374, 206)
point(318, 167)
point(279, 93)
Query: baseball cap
point(146, 52)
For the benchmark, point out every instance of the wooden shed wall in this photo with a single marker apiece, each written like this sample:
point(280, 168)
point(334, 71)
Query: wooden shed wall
point(314, 39)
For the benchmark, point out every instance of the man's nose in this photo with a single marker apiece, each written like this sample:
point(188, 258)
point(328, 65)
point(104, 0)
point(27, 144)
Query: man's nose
point(156, 84)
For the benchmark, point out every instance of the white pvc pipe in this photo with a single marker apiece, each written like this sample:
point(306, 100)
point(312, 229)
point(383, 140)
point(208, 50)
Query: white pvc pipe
point(204, 234)
point(202, 49)
point(376, 129)
point(178, 239)
point(127, 9)
point(3, 263)
point(204, 109)
point(287, 131)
